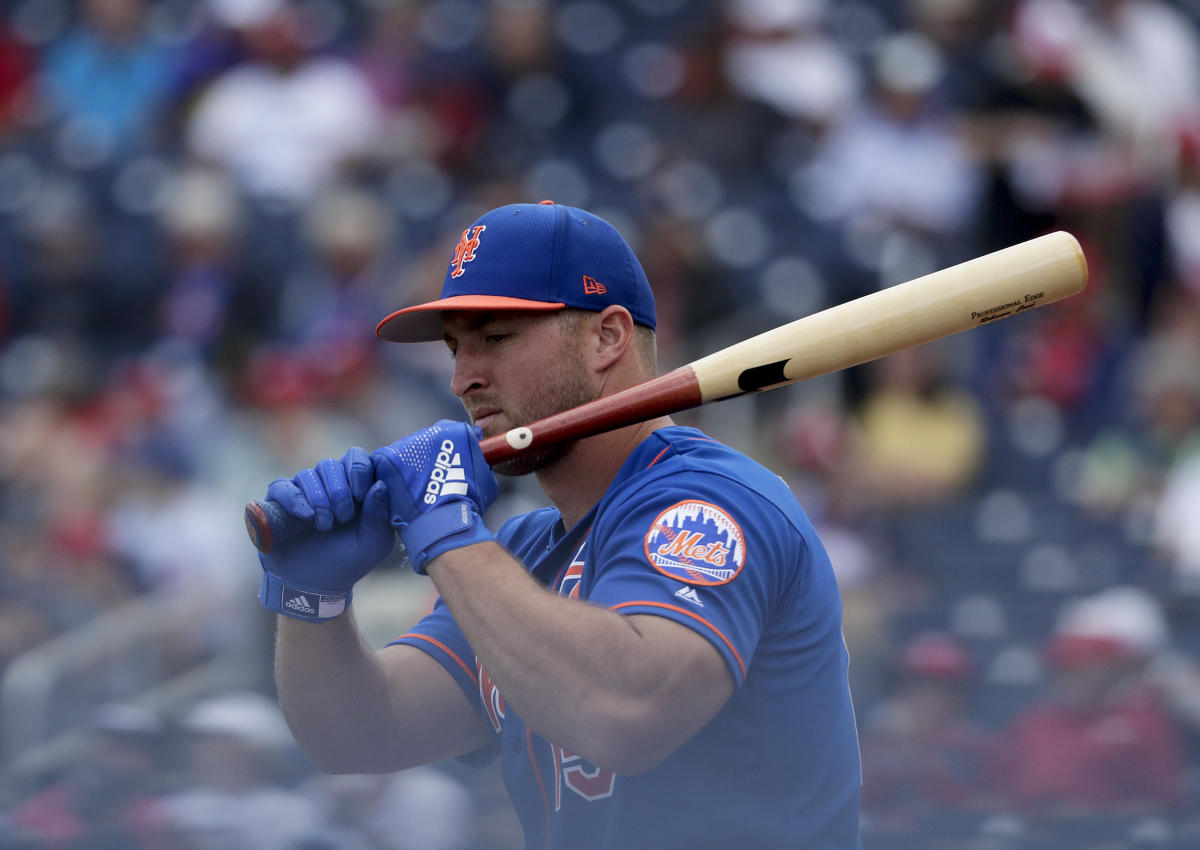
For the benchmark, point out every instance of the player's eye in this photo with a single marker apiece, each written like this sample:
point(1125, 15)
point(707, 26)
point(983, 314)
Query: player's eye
point(496, 337)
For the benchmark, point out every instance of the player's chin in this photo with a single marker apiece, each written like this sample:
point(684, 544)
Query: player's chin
point(529, 461)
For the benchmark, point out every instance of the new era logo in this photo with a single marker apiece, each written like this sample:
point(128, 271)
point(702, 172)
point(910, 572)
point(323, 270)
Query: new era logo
point(591, 286)
point(689, 594)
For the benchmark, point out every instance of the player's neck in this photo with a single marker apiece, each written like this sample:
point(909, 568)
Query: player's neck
point(576, 481)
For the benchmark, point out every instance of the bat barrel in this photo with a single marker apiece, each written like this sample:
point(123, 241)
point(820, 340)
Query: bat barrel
point(985, 289)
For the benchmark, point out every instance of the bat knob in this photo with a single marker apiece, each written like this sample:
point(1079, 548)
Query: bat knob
point(269, 525)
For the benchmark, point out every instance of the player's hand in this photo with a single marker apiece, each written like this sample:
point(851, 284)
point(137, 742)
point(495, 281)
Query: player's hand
point(310, 576)
point(438, 487)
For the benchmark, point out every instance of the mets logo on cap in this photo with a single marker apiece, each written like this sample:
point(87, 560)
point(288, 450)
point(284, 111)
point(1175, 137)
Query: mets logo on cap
point(696, 542)
point(464, 251)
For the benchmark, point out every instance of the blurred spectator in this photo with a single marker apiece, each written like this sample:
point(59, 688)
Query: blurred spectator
point(1124, 467)
point(212, 49)
point(1166, 384)
point(1043, 147)
point(16, 74)
point(285, 412)
point(62, 294)
point(339, 299)
point(918, 439)
point(389, 57)
point(233, 794)
point(22, 627)
point(504, 116)
point(211, 302)
point(107, 799)
point(1059, 358)
point(1136, 63)
point(434, 107)
point(813, 439)
point(780, 54)
point(55, 462)
point(1101, 741)
point(164, 520)
point(520, 37)
point(923, 755)
point(961, 30)
point(172, 530)
point(287, 121)
point(1166, 388)
point(423, 807)
point(898, 164)
point(107, 82)
point(690, 295)
point(1183, 207)
point(1176, 532)
point(325, 345)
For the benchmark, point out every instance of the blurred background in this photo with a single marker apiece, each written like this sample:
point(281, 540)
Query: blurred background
point(207, 205)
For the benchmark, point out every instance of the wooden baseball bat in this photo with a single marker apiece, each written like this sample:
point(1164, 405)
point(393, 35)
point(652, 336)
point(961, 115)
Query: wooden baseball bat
point(976, 292)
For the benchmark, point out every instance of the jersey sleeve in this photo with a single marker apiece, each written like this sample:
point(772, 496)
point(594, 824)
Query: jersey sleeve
point(439, 636)
point(702, 550)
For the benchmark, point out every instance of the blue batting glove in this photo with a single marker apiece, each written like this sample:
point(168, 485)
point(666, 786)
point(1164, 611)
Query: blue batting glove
point(438, 487)
point(310, 576)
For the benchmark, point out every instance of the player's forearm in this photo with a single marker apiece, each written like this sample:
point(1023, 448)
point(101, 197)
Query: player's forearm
point(578, 674)
point(336, 696)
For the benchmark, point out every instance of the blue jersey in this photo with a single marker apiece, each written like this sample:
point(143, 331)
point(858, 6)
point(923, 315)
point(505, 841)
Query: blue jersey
point(696, 532)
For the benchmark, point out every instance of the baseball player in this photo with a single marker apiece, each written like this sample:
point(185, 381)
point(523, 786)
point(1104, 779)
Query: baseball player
point(656, 657)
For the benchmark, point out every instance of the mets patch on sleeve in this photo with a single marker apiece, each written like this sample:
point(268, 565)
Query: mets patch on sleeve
point(697, 543)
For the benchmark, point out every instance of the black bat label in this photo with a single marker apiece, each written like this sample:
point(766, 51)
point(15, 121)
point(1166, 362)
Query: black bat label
point(760, 377)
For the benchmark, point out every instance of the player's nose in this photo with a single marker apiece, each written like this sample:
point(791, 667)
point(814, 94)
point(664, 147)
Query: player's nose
point(469, 372)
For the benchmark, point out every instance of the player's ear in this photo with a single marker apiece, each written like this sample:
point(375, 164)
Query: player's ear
point(613, 335)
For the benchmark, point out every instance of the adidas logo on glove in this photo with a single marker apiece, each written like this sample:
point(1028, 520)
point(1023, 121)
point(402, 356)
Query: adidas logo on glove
point(447, 477)
point(300, 604)
point(303, 604)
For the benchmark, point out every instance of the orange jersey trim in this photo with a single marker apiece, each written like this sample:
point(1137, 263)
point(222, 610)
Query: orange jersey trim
point(538, 775)
point(728, 643)
point(468, 670)
point(658, 456)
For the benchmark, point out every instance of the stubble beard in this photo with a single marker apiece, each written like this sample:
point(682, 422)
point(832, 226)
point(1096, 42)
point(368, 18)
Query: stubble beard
point(565, 387)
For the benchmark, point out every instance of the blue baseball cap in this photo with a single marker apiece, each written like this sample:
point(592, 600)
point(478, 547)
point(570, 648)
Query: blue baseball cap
point(540, 257)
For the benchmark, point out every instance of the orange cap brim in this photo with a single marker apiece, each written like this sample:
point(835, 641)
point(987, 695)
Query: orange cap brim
point(423, 322)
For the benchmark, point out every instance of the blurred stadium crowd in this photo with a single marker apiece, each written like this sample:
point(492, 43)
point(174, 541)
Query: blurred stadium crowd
point(207, 205)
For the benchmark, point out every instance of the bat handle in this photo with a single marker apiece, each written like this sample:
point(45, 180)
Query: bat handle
point(268, 525)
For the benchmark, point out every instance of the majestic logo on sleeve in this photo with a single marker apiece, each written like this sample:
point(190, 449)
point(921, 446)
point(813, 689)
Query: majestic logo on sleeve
point(464, 252)
point(697, 543)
